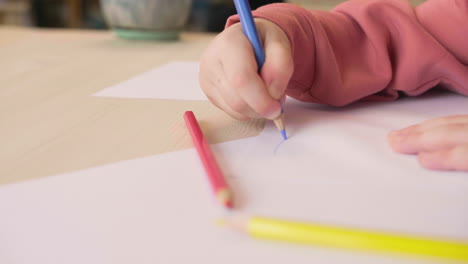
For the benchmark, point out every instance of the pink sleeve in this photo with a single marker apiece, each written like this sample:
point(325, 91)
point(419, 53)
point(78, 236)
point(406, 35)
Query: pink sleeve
point(374, 49)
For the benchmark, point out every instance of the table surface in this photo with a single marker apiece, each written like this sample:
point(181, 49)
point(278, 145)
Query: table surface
point(51, 124)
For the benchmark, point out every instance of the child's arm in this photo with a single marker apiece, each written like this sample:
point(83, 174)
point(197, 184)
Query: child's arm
point(364, 49)
point(373, 49)
point(376, 49)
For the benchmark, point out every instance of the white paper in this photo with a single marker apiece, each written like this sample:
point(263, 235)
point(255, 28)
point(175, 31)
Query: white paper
point(335, 169)
point(176, 80)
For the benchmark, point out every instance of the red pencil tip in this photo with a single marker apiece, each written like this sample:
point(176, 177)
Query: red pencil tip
point(229, 204)
point(225, 197)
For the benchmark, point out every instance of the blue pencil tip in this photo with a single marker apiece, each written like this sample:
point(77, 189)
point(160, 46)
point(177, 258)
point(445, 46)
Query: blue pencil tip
point(283, 133)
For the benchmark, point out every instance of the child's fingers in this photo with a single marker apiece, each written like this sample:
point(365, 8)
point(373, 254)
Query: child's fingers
point(279, 65)
point(211, 85)
point(220, 102)
point(439, 137)
point(216, 99)
point(253, 91)
point(241, 74)
point(455, 158)
point(234, 101)
point(457, 119)
point(229, 73)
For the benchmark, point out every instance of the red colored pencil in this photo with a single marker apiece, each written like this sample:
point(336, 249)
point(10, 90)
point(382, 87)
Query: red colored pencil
point(215, 176)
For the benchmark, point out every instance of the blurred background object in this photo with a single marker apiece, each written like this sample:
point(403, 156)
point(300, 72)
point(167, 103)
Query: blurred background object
point(211, 15)
point(205, 15)
point(15, 12)
point(147, 19)
point(52, 13)
point(67, 13)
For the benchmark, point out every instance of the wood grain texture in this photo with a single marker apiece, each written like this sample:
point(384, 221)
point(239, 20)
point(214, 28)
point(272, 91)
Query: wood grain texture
point(50, 123)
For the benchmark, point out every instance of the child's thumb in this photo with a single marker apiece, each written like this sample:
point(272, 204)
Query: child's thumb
point(279, 65)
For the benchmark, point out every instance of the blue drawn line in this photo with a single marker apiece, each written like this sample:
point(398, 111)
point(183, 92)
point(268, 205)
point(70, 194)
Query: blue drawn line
point(278, 146)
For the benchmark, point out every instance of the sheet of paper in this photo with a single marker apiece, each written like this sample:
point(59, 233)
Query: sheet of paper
point(337, 163)
point(336, 168)
point(177, 80)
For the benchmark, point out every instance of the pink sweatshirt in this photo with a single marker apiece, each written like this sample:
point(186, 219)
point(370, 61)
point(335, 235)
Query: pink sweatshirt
point(374, 49)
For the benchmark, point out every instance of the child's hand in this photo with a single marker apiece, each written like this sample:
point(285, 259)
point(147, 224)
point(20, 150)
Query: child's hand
point(441, 143)
point(229, 77)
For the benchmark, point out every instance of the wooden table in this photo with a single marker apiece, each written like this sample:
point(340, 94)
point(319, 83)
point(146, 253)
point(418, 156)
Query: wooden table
point(50, 123)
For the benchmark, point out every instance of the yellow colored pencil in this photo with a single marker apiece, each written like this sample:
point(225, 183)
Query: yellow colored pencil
point(354, 239)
